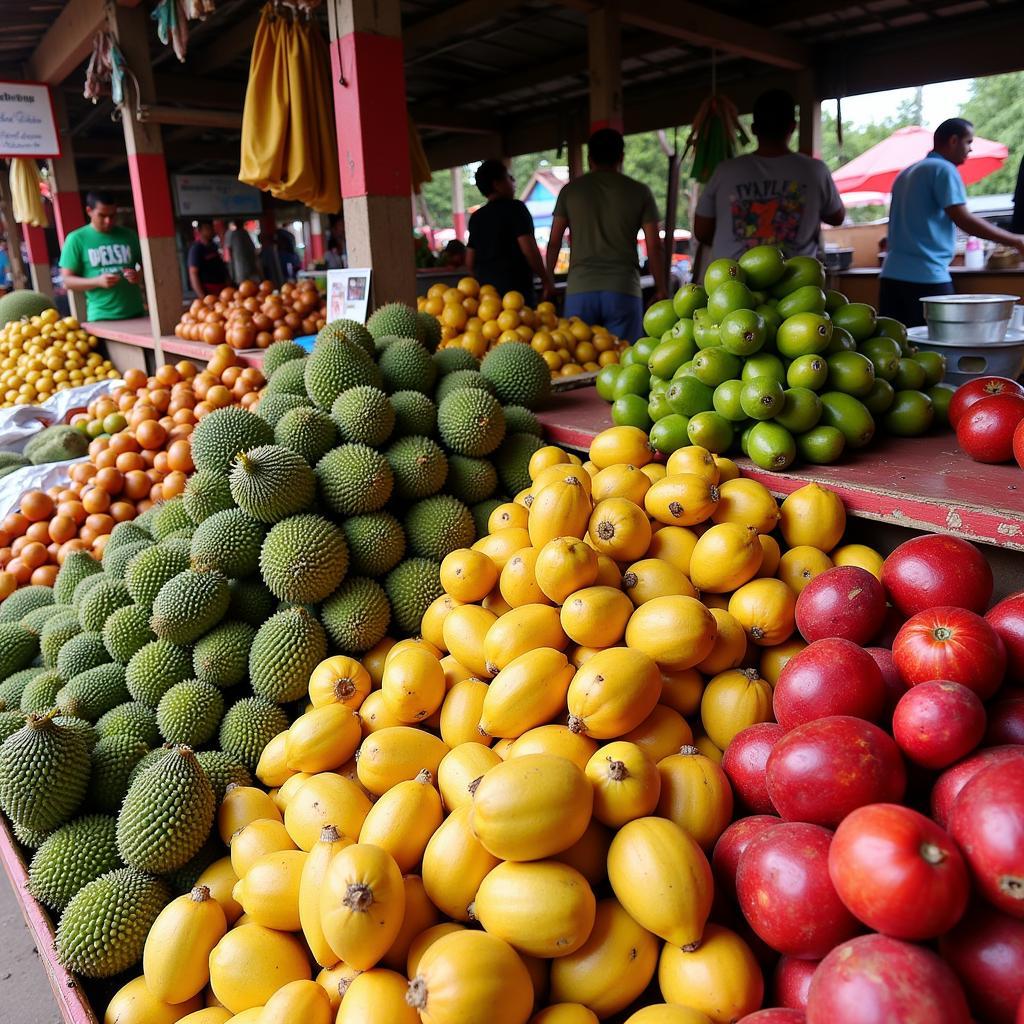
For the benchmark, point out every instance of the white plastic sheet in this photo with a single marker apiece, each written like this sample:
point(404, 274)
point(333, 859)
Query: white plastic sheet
point(21, 422)
point(32, 478)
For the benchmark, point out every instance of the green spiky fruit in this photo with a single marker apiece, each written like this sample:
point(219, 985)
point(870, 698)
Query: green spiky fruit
point(222, 434)
point(85, 587)
point(97, 690)
point(462, 380)
point(271, 482)
point(347, 330)
point(395, 320)
point(11, 462)
point(448, 360)
point(103, 930)
point(376, 543)
point(357, 615)
point(76, 567)
point(170, 517)
point(415, 414)
point(303, 559)
point(279, 353)
point(519, 374)
point(129, 532)
point(288, 646)
point(229, 543)
point(68, 719)
point(113, 760)
point(126, 632)
point(430, 330)
point(40, 693)
point(249, 725)
point(189, 712)
point(37, 619)
point(289, 379)
point(418, 465)
point(81, 653)
point(354, 479)
point(512, 461)
point(155, 755)
point(166, 816)
point(116, 562)
point(144, 520)
point(59, 443)
point(23, 601)
point(275, 406)
point(18, 646)
point(363, 415)
point(206, 492)
point(10, 721)
point(308, 432)
point(44, 769)
point(155, 669)
point(30, 838)
point(21, 303)
point(250, 601)
point(151, 569)
point(221, 658)
point(481, 512)
point(71, 858)
point(439, 525)
point(190, 605)
point(335, 366)
point(471, 480)
point(14, 685)
point(56, 633)
point(131, 719)
point(223, 770)
point(471, 422)
point(104, 598)
point(411, 587)
point(521, 421)
point(406, 366)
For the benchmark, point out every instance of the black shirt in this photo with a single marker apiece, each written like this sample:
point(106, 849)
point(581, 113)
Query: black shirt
point(207, 260)
point(494, 231)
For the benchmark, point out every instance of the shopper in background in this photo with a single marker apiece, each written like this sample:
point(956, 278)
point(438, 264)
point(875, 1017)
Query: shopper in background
point(242, 254)
point(604, 211)
point(502, 249)
point(287, 253)
point(207, 272)
point(102, 259)
point(453, 256)
point(5, 266)
point(929, 202)
point(270, 262)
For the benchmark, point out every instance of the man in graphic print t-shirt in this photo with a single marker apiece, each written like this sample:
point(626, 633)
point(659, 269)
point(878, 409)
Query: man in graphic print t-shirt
point(102, 260)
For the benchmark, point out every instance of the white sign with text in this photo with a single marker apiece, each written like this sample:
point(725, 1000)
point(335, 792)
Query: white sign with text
point(27, 125)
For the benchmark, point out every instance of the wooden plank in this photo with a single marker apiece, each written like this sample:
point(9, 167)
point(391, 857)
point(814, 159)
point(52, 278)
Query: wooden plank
point(67, 41)
point(466, 17)
point(604, 45)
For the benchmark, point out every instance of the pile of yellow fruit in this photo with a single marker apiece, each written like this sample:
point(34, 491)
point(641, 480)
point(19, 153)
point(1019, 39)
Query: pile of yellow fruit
point(476, 317)
point(510, 818)
point(45, 354)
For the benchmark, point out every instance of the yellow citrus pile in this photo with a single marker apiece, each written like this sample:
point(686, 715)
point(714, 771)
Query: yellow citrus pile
point(476, 317)
point(45, 354)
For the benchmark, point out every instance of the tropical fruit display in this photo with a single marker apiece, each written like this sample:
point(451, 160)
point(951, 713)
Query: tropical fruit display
point(987, 414)
point(761, 359)
point(477, 318)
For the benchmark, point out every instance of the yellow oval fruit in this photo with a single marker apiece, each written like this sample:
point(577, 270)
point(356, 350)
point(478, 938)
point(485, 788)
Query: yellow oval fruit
point(325, 799)
point(508, 516)
point(654, 577)
point(626, 783)
point(673, 544)
point(373, 660)
point(377, 997)
point(746, 502)
point(459, 769)
point(220, 879)
point(720, 977)
point(621, 481)
point(339, 680)
point(269, 890)
point(774, 659)
point(455, 863)
point(621, 445)
point(398, 754)
point(668, 1013)
point(252, 962)
point(619, 529)
point(654, 471)
point(323, 738)
point(564, 1013)
point(799, 565)
point(133, 1003)
point(502, 747)
point(267, 835)
point(613, 692)
point(813, 515)
point(662, 879)
point(415, 643)
point(560, 509)
point(298, 1000)
point(471, 977)
point(772, 555)
point(681, 499)
point(730, 645)
point(726, 557)
point(272, 768)
point(501, 546)
point(361, 904)
point(681, 690)
point(420, 914)
point(460, 713)
point(532, 807)
point(543, 908)
point(608, 574)
point(335, 982)
point(766, 609)
point(557, 740)
point(611, 968)
point(518, 582)
point(563, 566)
point(661, 733)
point(860, 555)
point(692, 458)
point(432, 623)
point(329, 845)
point(523, 629)
point(468, 575)
point(403, 820)
point(727, 469)
point(596, 616)
point(424, 941)
point(464, 630)
point(562, 471)
point(734, 701)
point(413, 685)
point(542, 458)
point(374, 714)
point(704, 746)
point(589, 854)
point(675, 632)
point(208, 1015)
point(242, 804)
point(695, 794)
point(527, 692)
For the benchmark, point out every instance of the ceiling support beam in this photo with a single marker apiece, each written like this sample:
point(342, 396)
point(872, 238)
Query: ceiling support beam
point(462, 18)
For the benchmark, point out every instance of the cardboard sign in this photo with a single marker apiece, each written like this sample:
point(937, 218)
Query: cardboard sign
point(27, 124)
point(348, 294)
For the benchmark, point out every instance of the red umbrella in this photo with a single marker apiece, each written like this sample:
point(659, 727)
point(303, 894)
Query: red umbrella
point(876, 169)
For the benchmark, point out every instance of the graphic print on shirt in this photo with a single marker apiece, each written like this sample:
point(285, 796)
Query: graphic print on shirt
point(114, 255)
point(768, 212)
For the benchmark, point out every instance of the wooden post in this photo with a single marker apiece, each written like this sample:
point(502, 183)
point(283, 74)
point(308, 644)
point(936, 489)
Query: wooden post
point(458, 204)
point(604, 45)
point(147, 169)
point(38, 259)
point(810, 115)
point(373, 143)
point(68, 208)
point(18, 275)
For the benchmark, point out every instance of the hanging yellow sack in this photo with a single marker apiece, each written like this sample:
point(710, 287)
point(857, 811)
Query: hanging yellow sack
point(265, 116)
point(26, 202)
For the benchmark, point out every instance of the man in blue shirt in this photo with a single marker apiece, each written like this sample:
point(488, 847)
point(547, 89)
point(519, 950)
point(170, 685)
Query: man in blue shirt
point(929, 203)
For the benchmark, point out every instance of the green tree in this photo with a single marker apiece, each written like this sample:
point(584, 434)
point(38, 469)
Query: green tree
point(996, 107)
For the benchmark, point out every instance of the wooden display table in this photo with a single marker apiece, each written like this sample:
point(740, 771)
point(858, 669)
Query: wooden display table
point(922, 483)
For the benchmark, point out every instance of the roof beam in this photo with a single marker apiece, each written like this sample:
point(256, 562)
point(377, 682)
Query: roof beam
point(67, 41)
point(187, 88)
point(454, 21)
point(228, 46)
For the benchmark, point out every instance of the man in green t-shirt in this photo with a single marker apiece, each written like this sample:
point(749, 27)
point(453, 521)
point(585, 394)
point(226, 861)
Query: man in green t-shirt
point(604, 211)
point(102, 260)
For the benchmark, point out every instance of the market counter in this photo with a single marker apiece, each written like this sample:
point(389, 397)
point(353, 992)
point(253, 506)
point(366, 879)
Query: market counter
point(860, 284)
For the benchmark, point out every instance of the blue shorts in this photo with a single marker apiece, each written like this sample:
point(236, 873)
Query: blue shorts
point(622, 314)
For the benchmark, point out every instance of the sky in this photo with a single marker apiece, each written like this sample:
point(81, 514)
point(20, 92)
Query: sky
point(941, 100)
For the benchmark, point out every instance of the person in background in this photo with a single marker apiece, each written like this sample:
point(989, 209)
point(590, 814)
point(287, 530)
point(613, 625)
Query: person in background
point(287, 254)
point(270, 262)
point(454, 256)
point(929, 202)
point(772, 196)
point(102, 259)
point(605, 210)
point(502, 249)
point(5, 266)
point(207, 273)
point(241, 253)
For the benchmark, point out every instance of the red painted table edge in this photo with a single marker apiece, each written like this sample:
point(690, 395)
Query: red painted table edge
point(71, 999)
point(170, 343)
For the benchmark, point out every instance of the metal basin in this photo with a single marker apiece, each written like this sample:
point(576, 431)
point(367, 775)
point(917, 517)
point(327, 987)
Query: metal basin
point(968, 319)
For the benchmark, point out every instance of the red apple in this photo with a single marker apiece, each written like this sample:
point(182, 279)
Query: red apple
point(948, 785)
point(845, 601)
point(938, 722)
point(932, 570)
point(1007, 619)
point(1006, 721)
point(894, 685)
point(793, 980)
point(775, 1015)
point(730, 846)
point(975, 390)
point(985, 431)
point(744, 763)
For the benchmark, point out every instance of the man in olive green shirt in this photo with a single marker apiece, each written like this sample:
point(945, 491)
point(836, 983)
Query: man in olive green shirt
point(102, 260)
point(604, 211)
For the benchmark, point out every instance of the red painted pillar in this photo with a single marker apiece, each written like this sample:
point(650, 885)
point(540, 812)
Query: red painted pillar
point(317, 243)
point(38, 258)
point(68, 213)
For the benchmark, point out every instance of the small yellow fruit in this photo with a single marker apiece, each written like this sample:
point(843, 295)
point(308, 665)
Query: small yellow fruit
point(326, 799)
point(133, 1003)
point(619, 529)
point(220, 879)
point(508, 515)
point(523, 629)
point(725, 557)
point(413, 686)
point(695, 795)
point(403, 820)
point(628, 445)
point(252, 962)
point(563, 566)
point(746, 502)
point(397, 754)
point(464, 631)
point(766, 610)
point(468, 575)
point(542, 458)
point(324, 738)
point(460, 770)
point(518, 584)
point(682, 499)
point(460, 714)
point(269, 890)
point(626, 783)
point(772, 555)
point(681, 690)
point(661, 733)
point(339, 680)
point(420, 914)
point(813, 515)
point(298, 1000)
point(455, 862)
point(432, 623)
point(694, 459)
point(377, 997)
point(242, 804)
point(248, 844)
point(655, 577)
point(860, 555)
point(557, 740)
point(774, 659)
point(272, 768)
point(529, 691)
point(675, 632)
point(424, 941)
point(730, 645)
point(668, 1013)
point(621, 481)
point(330, 844)
point(673, 544)
point(613, 692)
point(733, 701)
point(799, 565)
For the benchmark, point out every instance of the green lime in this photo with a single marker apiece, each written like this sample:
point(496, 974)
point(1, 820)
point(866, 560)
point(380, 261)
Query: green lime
point(800, 411)
point(763, 364)
point(941, 394)
point(808, 299)
point(911, 375)
point(850, 416)
point(644, 347)
point(842, 341)
point(659, 318)
point(719, 272)
point(682, 329)
point(742, 332)
point(689, 396)
point(633, 380)
point(669, 433)
point(934, 364)
point(605, 381)
point(885, 354)
point(628, 357)
point(771, 446)
point(858, 318)
point(707, 333)
point(688, 298)
point(772, 321)
point(659, 385)
point(670, 355)
point(114, 423)
point(713, 365)
point(762, 398)
point(686, 370)
point(821, 446)
point(807, 372)
point(727, 298)
point(94, 428)
point(711, 431)
point(880, 397)
point(803, 334)
point(889, 328)
point(658, 407)
point(631, 411)
point(799, 272)
point(910, 414)
point(744, 434)
point(851, 373)
point(727, 400)
point(763, 265)
point(833, 300)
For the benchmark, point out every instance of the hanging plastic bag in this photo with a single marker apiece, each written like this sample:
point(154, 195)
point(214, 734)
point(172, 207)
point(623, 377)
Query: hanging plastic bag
point(26, 200)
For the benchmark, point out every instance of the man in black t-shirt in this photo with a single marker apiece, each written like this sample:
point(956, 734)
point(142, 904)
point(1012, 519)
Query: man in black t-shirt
point(207, 271)
point(502, 249)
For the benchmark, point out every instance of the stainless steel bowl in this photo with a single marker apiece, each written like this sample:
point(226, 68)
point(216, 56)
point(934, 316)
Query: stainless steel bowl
point(969, 319)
